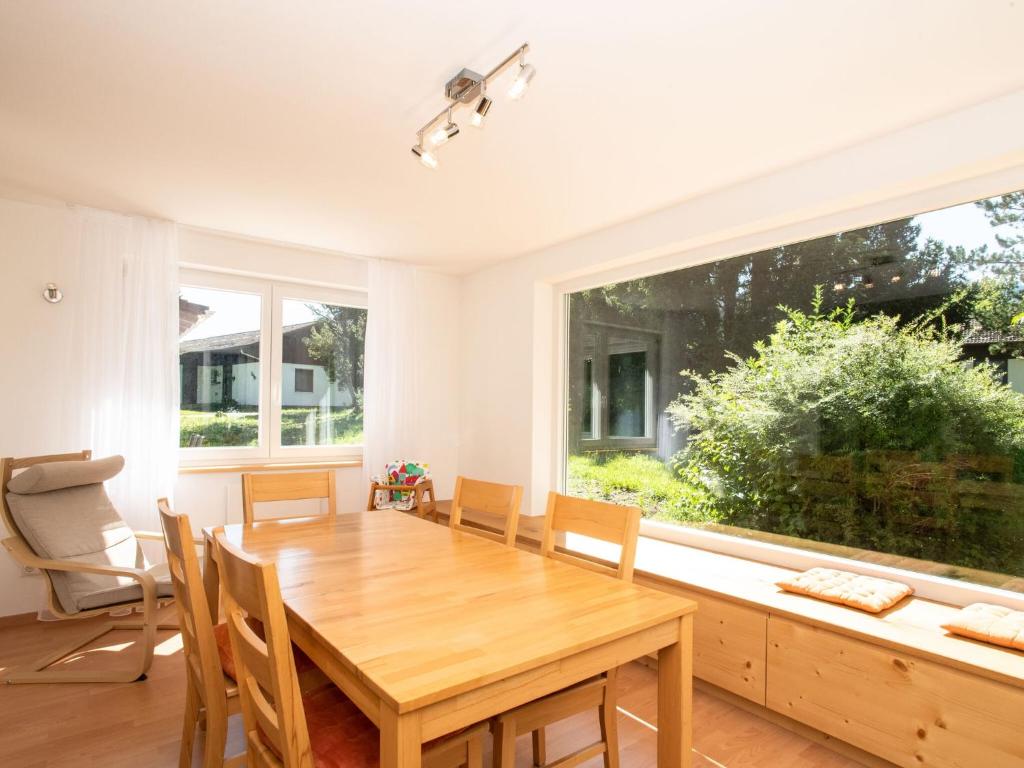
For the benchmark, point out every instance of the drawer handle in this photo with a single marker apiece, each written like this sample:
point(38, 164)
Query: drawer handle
point(900, 665)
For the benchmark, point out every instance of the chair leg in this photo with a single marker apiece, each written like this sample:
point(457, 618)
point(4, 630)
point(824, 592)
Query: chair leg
point(505, 743)
point(216, 741)
point(475, 752)
point(609, 716)
point(39, 671)
point(188, 729)
point(540, 751)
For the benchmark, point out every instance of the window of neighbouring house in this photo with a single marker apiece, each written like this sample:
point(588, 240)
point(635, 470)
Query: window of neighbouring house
point(858, 395)
point(306, 402)
point(303, 380)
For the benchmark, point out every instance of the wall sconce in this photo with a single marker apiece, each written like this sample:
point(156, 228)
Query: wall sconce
point(52, 293)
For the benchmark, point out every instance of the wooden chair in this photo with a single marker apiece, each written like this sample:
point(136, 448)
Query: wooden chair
point(607, 522)
point(491, 498)
point(287, 486)
point(285, 729)
point(68, 501)
point(421, 490)
point(210, 695)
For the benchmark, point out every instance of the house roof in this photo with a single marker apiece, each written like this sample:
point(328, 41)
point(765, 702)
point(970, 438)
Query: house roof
point(190, 314)
point(232, 341)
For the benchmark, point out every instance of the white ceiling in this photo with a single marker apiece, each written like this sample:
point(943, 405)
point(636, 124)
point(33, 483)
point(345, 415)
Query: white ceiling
point(293, 121)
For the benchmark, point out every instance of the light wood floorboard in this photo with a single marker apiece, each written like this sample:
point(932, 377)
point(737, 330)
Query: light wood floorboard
point(138, 724)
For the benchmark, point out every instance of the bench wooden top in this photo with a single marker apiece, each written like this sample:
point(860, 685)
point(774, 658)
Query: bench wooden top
point(423, 613)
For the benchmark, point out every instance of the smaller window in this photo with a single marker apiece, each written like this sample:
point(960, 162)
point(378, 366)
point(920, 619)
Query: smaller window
point(303, 380)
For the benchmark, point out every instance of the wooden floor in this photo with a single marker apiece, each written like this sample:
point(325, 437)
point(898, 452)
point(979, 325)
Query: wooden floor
point(138, 724)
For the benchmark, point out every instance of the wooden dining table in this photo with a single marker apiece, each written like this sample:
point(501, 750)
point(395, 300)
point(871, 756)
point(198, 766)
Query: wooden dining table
point(429, 630)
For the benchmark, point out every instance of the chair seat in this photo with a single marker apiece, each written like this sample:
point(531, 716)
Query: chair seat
point(341, 736)
point(227, 659)
point(131, 593)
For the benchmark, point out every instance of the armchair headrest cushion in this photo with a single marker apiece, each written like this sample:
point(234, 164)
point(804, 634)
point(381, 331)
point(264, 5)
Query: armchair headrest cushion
point(56, 475)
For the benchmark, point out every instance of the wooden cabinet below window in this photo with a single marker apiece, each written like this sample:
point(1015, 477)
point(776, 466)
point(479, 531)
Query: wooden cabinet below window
point(910, 711)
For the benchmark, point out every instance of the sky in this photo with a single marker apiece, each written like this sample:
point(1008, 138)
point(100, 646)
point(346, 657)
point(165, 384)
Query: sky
point(234, 312)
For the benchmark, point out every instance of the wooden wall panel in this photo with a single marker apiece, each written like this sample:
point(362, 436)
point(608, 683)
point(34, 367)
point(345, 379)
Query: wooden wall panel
point(910, 711)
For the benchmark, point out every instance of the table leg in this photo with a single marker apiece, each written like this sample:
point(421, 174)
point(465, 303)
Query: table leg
point(675, 700)
point(401, 739)
point(211, 579)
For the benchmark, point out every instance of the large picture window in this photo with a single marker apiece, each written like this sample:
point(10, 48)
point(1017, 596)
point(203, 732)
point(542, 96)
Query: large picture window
point(268, 370)
point(857, 395)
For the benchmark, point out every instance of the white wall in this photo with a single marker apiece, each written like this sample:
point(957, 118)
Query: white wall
point(34, 371)
point(511, 312)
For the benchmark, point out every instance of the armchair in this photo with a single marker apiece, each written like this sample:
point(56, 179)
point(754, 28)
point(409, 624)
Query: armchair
point(60, 521)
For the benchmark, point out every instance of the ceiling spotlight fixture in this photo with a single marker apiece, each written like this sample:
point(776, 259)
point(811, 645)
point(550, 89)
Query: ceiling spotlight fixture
point(426, 156)
point(482, 108)
point(465, 88)
point(443, 133)
point(518, 88)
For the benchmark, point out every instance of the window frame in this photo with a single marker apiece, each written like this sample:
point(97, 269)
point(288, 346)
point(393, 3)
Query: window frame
point(556, 333)
point(272, 294)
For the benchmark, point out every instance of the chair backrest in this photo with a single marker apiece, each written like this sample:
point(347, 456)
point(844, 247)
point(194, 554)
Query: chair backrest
point(490, 498)
point(202, 661)
point(287, 486)
point(268, 685)
point(597, 520)
point(58, 507)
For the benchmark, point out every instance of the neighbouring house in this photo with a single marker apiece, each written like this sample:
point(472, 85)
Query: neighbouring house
point(223, 371)
point(1004, 350)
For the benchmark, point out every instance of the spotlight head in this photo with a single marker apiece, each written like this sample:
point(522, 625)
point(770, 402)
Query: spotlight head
point(522, 81)
point(426, 156)
point(482, 108)
point(443, 133)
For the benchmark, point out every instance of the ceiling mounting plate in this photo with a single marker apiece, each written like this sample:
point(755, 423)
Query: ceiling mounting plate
point(464, 87)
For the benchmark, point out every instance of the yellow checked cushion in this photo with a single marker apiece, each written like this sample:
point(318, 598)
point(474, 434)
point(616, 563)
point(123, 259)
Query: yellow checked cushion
point(990, 624)
point(852, 589)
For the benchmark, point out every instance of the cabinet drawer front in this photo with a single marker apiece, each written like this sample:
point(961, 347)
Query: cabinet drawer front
point(729, 645)
point(912, 712)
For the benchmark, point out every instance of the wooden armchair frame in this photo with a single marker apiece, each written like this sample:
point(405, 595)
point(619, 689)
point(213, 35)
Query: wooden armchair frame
point(38, 670)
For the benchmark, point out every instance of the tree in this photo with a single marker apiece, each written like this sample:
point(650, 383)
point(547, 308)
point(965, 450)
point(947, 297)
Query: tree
point(336, 340)
point(860, 433)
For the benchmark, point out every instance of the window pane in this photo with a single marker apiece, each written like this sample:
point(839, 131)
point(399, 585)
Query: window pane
point(860, 394)
point(322, 374)
point(627, 381)
point(219, 367)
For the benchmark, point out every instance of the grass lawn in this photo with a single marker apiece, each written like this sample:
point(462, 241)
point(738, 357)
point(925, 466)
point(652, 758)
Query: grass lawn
point(635, 479)
point(299, 426)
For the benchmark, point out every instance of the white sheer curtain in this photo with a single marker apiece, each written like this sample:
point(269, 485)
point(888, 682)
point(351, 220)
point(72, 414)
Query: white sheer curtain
point(394, 363)
point(123, 396)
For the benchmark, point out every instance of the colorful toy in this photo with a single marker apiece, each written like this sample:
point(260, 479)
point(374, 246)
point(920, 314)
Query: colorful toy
point(407, 473)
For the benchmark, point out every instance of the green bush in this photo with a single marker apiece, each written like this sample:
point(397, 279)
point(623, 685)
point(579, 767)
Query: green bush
point(871, 434)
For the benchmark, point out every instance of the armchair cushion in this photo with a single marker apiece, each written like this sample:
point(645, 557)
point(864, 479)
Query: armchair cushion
point(131, 593)
point(79, 524)
point(65, 474)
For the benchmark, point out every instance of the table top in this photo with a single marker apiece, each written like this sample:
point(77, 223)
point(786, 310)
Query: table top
point(422, 613)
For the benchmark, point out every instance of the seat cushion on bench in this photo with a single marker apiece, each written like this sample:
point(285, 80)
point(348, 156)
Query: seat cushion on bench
point(990, 624)
point(864, 592)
